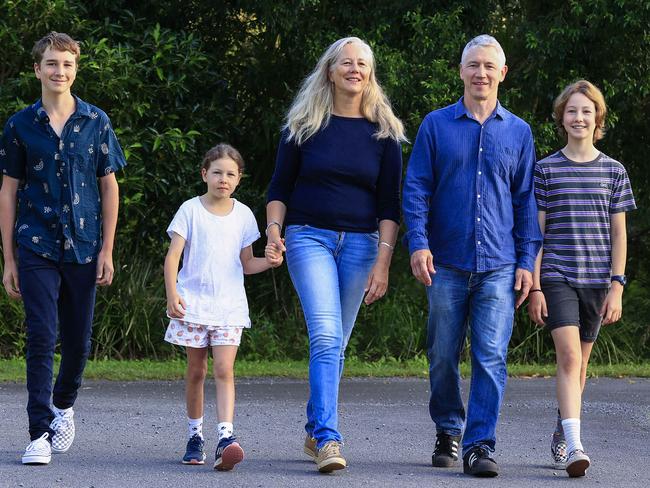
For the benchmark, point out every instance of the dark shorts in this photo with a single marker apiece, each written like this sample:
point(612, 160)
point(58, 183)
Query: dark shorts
point(579, 307)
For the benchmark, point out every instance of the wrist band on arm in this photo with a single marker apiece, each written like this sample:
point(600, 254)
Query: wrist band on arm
point(268, 226)
point(384, 243)
point(534, 290)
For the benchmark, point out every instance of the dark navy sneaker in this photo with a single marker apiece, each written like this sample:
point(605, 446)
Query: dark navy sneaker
point(194, 453)
point(228, 453)
point(445, 453)
point(477, 462)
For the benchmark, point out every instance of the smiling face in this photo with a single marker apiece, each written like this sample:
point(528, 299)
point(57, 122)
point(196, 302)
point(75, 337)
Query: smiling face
point(579, 118)
point(351, 71)
point(481, 72)
point(57, 71)
point(222, 178)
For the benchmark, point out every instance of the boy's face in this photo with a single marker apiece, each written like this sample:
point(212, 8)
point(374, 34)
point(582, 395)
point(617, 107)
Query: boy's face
point(579, 118)
point(57, 71)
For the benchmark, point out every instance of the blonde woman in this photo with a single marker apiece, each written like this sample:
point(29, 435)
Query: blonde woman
point(336, 189)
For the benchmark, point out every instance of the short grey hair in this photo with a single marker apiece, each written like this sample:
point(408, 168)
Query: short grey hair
point(484, 40)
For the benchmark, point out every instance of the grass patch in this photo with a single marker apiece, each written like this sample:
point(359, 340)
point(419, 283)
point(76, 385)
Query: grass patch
point(146, 370)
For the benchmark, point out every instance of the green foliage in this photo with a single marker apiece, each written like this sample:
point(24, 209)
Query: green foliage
point(178, 76)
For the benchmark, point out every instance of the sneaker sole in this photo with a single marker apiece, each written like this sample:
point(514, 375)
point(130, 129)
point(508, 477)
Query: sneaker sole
point(194, 461)
point(232, 455)
point(60, 451)
point(333, 464)
point(490, 472)
point(36, 460)
point(577, 468)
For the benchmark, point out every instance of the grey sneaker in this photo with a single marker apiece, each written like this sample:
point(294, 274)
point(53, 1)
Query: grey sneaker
point(63, 427)
point(310, 447)
point(559, 450)
point(38, 451)
point(577, 463)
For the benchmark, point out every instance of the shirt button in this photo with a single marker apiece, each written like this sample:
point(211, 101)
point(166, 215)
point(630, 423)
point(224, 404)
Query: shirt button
point(480, 172)
point(480, 149)
point(479, 243)
point(65, 185)
point(478, 219)
point(478, 196)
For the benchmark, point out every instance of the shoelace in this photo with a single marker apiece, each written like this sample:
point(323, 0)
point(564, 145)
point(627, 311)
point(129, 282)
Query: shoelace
point(445, 444)
point(59, 422)
point(331, 448)
point(36, 444)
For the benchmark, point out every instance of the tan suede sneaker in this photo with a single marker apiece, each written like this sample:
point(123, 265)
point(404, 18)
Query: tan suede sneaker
point(310, 447)
point(329, 458)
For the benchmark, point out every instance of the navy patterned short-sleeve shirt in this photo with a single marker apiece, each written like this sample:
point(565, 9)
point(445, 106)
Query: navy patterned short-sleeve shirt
point(59, 203)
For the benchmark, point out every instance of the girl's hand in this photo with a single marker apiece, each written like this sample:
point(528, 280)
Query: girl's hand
point(176, 306)
point(537, 307)
point(377, 283)
point(612, 308)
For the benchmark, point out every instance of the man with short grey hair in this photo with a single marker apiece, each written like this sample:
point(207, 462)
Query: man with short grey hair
point(470, 210)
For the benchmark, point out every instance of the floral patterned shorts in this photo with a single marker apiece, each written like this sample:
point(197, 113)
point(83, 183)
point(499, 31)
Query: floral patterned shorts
point(188, 334)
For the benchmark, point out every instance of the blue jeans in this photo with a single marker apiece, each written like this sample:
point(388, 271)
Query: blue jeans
point(63, 294)
point(484, 302)
point(329, 270)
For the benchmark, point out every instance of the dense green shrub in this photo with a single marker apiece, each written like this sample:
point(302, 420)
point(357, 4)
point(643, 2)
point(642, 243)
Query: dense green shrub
point(178, 76)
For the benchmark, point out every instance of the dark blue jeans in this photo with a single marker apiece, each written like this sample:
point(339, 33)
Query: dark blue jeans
point(54, 293)
point(484, 302)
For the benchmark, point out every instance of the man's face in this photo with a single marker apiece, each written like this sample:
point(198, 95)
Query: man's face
point(57, 71)
point(481, 73)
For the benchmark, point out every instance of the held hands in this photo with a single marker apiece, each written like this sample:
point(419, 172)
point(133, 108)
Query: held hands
point(537, 307)
point(612, 308)
point(10, 280)
point(422, 266)
point(523, 284)
point(176, 306)
point(105, 269)
point(273, 252)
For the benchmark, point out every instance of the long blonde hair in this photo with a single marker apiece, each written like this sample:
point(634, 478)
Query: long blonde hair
point(312, 108)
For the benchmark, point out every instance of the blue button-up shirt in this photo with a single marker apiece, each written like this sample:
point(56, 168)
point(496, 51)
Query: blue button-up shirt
point(59, 205)
point(468, 194)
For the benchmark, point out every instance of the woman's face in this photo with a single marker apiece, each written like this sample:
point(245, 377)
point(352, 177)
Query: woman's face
point(351, 71)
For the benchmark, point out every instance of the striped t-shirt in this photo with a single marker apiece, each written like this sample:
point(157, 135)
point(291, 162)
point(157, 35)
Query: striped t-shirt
point(578, 199)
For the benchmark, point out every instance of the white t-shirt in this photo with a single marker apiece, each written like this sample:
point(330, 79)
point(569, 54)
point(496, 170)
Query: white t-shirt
point(211, 281)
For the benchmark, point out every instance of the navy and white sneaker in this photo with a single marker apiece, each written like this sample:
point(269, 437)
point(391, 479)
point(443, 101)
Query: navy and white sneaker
point(228, 453)
point(63, 427)
point(477, 462)
point(194, 453)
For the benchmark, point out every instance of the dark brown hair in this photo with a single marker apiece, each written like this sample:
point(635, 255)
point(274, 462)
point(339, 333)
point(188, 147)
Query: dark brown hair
point(592, 93)
point(220, 151)
point(58, 41)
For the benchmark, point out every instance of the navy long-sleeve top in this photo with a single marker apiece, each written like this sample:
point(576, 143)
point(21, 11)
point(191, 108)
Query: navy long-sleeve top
point(342, 178)
point(468, 193)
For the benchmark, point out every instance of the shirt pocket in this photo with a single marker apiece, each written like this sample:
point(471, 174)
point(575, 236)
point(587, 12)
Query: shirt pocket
point(505, 161)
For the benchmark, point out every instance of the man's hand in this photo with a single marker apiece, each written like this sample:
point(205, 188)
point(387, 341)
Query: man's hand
point(105, 269)
point(10, 280)
point(523, 284)
point(422, 266)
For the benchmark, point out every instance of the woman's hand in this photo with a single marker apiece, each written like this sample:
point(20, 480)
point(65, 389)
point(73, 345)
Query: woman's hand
point(377, 283)
point(537, 307)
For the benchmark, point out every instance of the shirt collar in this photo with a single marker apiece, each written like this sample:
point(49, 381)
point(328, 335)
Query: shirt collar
point(460, 110)
point(82, 109)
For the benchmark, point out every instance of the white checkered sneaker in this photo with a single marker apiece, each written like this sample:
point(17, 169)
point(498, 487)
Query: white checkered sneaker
point(63, 427)
point(38, 451)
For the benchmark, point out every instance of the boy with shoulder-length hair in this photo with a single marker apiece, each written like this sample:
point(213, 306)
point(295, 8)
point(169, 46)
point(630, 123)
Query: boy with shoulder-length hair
point(58, 214)
point(582, 197)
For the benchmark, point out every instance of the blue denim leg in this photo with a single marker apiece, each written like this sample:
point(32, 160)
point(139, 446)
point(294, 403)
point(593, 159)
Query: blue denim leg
point(329, 270)
point(54, 293)
point(448, 309)
point(492, 307)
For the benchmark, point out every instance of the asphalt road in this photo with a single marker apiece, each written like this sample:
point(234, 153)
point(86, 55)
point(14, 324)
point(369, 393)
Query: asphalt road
point(133, 435)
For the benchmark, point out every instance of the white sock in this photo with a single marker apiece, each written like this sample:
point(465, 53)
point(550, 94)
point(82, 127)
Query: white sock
point(571, 429)
point(225, 429)
point(195, 426)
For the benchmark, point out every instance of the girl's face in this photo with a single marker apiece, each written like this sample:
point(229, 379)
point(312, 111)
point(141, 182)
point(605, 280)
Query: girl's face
point(222, 178)
point(579, 119)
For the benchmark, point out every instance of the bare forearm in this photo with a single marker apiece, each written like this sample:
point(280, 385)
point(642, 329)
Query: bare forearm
point(171, 273)
point(110, 206)
point(8, 219)
point(255, 265)
point(387, 235)
point(619, 252)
